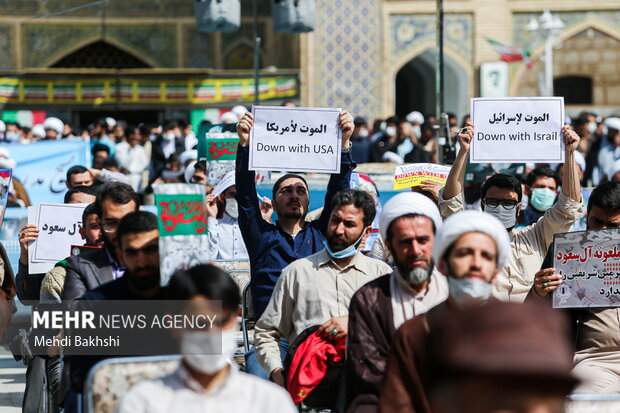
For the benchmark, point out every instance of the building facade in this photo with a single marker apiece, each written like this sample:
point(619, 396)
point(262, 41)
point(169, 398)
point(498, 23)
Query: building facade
point(377, 57)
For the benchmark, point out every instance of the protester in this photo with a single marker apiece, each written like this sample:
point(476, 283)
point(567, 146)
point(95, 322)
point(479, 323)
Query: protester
point(78, 175)
point(469, 249)
point(52, 286)
point(206, 379)
point(542, 190)
point(92, 269)
point(360, 140)
point(164, 147)
point(272, 247)
point(225, 239)
point(609, 151)
point(132, 158)
point(501, 357)
point(501, 197)
point(53, 128)
point(138, 243)
point(408, 224)
point(597, 332)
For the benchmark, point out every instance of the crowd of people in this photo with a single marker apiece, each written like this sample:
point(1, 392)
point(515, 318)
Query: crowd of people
point(437, 301)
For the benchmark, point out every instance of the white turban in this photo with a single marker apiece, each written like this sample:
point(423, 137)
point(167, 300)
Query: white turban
point(613, 123)
point(229, 117)
point(38, 130)
point(54, 124)
point(190, 155)
point(408, 203)
point(239, 110)
point(189, 172)
point(6, 162)
point(472, 221)
point(415, 117)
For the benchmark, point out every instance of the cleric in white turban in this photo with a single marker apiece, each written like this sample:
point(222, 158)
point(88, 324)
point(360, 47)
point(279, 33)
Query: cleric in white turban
point(472, 221)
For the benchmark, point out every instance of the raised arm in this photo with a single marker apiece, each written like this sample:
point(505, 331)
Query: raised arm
point(570, 176)
point(456, 178)
point(250, 218)
point(338, 182)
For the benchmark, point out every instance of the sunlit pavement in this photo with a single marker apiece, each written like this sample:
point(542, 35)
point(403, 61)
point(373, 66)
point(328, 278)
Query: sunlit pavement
point(12, 383)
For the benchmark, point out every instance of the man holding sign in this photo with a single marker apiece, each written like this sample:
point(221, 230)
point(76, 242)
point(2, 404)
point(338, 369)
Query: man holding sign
point(501, 197)
point(271, 247)
point(597, 328)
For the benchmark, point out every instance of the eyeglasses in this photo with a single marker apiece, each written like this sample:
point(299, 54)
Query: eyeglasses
point(506, 203)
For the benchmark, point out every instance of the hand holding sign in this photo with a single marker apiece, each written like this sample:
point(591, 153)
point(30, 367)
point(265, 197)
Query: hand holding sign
point(465, 137)
point(571, 139)
point(243, 128)
point(546, 281)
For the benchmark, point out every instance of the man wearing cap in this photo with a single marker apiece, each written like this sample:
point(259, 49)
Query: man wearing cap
point(225, 239)
point(501, 197)
point(408, 224)
point(469, 249)
point(317, 290)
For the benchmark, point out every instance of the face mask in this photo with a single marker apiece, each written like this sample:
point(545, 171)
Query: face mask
point(363, 133)
point(592, 127)
point(231, 208)
point(525, 201)
point(167, 174)
point(508, 217)
point(417, 130)
point(194, 345)
point(604, 130)
point(468, 290)
point(542, 199)
point(11, 136)
point(349, 251)
point(390, 131)
point(169, 136)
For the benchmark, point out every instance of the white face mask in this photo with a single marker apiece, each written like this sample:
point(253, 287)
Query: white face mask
point(469, 290)
point(363, 133)
point(592, 127)
point(169, 136)
point(417, 130)
point(508, 217)
point(390, 131)
point(231, 208)
point(194, 345)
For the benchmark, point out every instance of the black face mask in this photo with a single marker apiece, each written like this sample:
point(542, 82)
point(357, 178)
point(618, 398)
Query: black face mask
point(472, 194)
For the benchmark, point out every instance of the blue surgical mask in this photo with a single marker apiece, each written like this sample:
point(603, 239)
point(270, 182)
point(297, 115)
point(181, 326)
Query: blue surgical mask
point(349, 251)
point(542, 199)
point(468, 290)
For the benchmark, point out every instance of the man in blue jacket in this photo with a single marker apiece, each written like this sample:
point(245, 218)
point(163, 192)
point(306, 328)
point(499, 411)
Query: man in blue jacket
point(271, 247)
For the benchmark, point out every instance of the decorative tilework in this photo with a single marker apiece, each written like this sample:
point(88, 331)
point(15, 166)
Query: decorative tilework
point(347, 56)
point(409, 30)
point(529, 40)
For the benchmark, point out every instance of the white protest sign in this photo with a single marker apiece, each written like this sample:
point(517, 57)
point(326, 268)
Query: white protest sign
point(517, 130)
point(589, 263)
point(227, 181)
point(295, 139)
point(59, 228)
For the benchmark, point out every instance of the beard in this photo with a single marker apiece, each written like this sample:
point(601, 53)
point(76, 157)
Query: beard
point(143, 282)
point(291, 215)
point(415, 275)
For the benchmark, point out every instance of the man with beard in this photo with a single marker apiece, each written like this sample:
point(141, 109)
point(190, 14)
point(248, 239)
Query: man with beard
point(408, 224)
point(596, 329)
point(138, 244)
point(317, 290)
point(470, 248)
point(92, 269)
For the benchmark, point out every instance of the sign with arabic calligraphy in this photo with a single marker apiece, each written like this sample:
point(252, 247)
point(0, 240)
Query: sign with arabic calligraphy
point(181, 214)
point(295, 139)
point(222, 149)
point(182, 227)
point(59, 228)
point(517, 130)
point(407, 176)
point(589, 262)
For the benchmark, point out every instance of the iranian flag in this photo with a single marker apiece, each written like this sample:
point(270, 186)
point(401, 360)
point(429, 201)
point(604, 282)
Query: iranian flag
point(510, 53)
